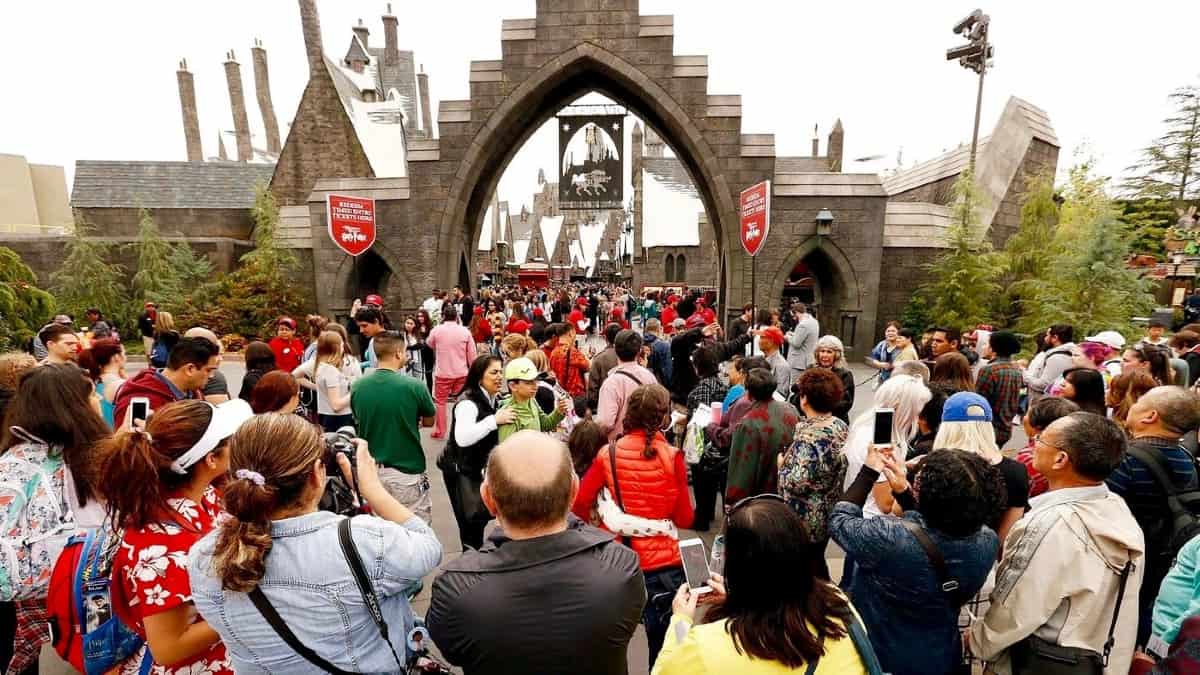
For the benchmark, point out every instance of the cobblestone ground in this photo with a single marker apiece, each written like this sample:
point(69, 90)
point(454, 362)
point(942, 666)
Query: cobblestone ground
point(443, 519)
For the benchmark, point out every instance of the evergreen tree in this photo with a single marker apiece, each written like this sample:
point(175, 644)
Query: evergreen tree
point(191, 268)
point(156, 279)
point(1170, 165)
point(1029, 253)
point(1148, 221)
point(86, 279)
point(24, 307)
point(963, 287)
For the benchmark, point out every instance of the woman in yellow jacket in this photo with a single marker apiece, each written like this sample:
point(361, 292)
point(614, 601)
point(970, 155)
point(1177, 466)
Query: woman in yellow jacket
point(768, 563)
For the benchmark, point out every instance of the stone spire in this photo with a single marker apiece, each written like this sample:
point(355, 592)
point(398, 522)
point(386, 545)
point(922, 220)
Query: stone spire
point(237, 101)
point(816, 142)
point(391, 39)
point(423, 92)
point(310, 21)
point(262, 91)
point(361, 31)
point(191, 119)
point(836, 138)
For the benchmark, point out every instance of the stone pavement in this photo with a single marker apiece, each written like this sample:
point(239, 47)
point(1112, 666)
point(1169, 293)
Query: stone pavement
point(447, 532)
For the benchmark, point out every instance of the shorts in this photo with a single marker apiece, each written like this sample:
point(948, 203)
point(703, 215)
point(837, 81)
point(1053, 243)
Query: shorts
point(410, 489)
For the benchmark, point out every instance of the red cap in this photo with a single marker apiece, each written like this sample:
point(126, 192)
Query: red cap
point(582, 302)
point(696, 321)
point(373, 300)
point(773, 334)
point(518, 327)
point(286, 321)
point(672, 299)
point(538, 312)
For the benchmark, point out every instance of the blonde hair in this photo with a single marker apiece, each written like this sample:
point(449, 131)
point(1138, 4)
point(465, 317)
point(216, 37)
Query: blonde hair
point(978, 438)
point(538, 358)
point(516, 345)
point(906, 395)
point(329, 349)
point(163, 322)
point(281, 448)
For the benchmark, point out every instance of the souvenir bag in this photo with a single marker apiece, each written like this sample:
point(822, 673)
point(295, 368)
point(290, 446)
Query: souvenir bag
point(693, 435)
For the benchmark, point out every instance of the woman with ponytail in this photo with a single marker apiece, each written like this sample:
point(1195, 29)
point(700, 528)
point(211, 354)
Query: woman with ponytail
point(163, 496)
point(104, 362)
point(646, 503)
point(278, 465)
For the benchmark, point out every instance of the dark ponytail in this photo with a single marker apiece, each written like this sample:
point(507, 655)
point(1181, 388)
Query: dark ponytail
point(271, 459)
point(645, 410)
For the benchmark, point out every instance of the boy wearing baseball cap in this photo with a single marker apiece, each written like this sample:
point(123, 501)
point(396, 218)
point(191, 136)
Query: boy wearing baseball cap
point(289, 350)
point(522, 377)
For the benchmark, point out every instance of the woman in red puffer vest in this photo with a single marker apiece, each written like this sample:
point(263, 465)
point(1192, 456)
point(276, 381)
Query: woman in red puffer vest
point(651, 486)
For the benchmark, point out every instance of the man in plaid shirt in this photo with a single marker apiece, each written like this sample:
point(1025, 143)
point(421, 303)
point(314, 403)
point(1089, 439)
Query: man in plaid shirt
point(1000, 383)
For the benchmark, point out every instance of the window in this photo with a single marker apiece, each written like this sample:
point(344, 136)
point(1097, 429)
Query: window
point(669, 267)
point(681, 268)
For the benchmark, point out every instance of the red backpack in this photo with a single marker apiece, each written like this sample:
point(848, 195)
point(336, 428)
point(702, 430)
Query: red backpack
point(85, 631)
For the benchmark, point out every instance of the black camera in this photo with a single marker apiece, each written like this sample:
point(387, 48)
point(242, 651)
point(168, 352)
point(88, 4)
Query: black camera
point(341, 496)
point(339, 442)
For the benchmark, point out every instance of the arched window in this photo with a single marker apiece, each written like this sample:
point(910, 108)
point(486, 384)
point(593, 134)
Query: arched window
point(670, 267)
point(681, 268)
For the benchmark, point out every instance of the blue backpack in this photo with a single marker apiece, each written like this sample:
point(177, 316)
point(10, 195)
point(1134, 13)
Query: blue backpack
point(86, 631)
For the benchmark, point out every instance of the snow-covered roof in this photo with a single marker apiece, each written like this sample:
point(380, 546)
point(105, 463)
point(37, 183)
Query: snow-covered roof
point(670, 212)
point(520, 249)
point(379, 125)
point(550, 227)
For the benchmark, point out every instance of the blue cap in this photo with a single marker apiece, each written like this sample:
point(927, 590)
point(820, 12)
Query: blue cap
point(966, 406)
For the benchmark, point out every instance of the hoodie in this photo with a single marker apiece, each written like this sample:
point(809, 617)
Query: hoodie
point(659, 361)
point(1059, 578)
point(154, 386)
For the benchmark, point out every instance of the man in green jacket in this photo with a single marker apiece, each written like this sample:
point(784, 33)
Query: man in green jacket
point(522, 384)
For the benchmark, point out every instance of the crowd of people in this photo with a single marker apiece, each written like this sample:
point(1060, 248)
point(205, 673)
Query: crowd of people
point(286, 526)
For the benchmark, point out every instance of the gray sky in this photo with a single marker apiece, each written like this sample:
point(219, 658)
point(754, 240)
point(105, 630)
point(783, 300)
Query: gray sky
point(95, 80)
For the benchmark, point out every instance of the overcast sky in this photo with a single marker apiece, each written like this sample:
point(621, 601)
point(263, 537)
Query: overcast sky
point(96, 80)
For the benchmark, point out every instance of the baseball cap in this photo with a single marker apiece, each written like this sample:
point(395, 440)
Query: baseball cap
point(773, 334)
point(226, 419)
point(538, 312)
point(520, 369)
point(373, 300)
point(286, 321)
point(518, 327)
point(695, 321)
point(966, 406)
point(1108, 337)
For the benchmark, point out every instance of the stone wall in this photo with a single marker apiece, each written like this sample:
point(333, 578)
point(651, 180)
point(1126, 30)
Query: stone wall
point(938, 192)
point(903, 272)
point(189, 223)
point(1040, 157)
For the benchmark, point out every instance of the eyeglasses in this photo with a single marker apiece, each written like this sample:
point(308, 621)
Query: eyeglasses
point(1038, 439)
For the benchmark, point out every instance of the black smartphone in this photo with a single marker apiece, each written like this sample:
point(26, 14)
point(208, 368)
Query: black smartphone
point(883, 426)
point(139, 408)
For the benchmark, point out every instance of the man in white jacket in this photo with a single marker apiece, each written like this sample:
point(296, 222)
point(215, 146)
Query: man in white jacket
point(802, 341)
point(1060, 576)
point(1057, 358)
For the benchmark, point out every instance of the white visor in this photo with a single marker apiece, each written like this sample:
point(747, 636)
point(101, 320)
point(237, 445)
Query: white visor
point(226, 419)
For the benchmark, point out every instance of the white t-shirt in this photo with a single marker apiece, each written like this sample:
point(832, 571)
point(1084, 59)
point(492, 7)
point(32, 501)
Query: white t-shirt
point(328, 378)
point(857, 444)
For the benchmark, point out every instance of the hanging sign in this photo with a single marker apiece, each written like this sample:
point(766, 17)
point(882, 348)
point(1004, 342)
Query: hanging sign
point(351, 223)
point(755, 209)
point(591, 143)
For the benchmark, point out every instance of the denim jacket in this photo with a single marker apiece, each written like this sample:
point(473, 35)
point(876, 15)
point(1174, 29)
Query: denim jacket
point(310, 584)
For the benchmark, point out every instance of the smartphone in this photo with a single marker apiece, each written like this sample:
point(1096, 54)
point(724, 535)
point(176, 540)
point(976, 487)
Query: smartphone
point(883, 426)
point(695, 565)
point(139, 408)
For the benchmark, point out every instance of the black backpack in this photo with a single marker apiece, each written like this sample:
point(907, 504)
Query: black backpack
point(1183, 505)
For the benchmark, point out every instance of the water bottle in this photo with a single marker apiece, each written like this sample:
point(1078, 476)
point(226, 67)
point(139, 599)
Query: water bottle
point(716, 563)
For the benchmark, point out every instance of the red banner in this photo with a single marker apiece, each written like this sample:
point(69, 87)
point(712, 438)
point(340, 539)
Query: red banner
point(351, 223)
point(755, 209)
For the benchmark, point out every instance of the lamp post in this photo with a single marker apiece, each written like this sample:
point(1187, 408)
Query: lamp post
point(824, 221)
point(975, 56)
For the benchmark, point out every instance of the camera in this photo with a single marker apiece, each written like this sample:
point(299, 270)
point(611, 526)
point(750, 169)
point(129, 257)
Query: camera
point(339, 442)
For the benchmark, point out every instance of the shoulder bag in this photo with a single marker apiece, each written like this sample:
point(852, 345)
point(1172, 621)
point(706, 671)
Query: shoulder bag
point(371, 601)
point(951, 589)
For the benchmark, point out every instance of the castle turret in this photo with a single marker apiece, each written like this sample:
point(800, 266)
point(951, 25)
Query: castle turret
point(191, 119)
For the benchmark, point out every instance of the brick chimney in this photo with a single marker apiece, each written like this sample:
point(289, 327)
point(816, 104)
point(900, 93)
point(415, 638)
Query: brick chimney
point(311, 23)
point(391, 40)
point(191, 120)
point(262, 91)
point(816, 143)
point(237, 101)
point(423, 92)
point(361, 31)
point(836, 138)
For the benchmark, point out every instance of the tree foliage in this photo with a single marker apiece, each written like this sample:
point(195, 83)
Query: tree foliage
point(190, 268)
point(1148, 221)
point(87, 279)
point(24, 307)
point(1028, 254)
point(1170, 166)
point(249, 300)
point(963, 287)
point(156, 279)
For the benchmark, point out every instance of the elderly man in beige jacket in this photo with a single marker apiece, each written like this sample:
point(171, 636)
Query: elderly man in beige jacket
point(1060, 577)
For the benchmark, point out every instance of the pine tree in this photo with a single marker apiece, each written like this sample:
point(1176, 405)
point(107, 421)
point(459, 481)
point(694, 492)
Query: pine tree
point(86, 279)
point(1028, 254)
point(963, 285)
point(24, 307)
point(1148, 221)
point(155, 280)
point(1170, 165)
point(191, 268)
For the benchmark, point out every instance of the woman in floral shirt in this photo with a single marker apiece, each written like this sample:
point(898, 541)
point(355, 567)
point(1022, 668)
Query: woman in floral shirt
point(166, 502)
point(812, 470)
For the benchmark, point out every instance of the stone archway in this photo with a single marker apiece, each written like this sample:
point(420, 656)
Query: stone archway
point(584, 68)
point(837, 289)
point(377, 271)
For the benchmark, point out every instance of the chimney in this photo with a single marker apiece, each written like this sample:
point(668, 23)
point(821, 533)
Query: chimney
point(391, 42)
point(361, 31)
point(836, 137)
point(311, 24)
point(221, 154)
point(816, 143)
point(237, 101)
point(262, 90)
point(191, 120)
point(423, 92)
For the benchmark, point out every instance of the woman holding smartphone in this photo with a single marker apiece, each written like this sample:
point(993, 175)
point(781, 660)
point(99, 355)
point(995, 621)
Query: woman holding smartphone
point(904, 396)
point(647, 480)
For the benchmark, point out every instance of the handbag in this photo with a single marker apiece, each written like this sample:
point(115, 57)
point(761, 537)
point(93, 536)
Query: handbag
point(1033, 655)
point(371, 601)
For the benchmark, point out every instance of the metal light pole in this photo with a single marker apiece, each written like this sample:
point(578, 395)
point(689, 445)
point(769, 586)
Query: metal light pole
point(975, 56)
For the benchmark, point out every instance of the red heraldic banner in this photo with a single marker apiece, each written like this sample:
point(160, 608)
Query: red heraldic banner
point(755, 208)
point(351, 223)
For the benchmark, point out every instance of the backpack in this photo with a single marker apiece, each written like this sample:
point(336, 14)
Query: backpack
point(159, 354)
point(1183, 505)
point(84, 630)
point(42, 523)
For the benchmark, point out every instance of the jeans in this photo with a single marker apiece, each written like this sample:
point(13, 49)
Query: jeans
point(661, 586)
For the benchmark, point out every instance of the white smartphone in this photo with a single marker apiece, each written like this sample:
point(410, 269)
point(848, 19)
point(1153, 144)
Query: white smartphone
point(695, 565)
point(139, 408)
